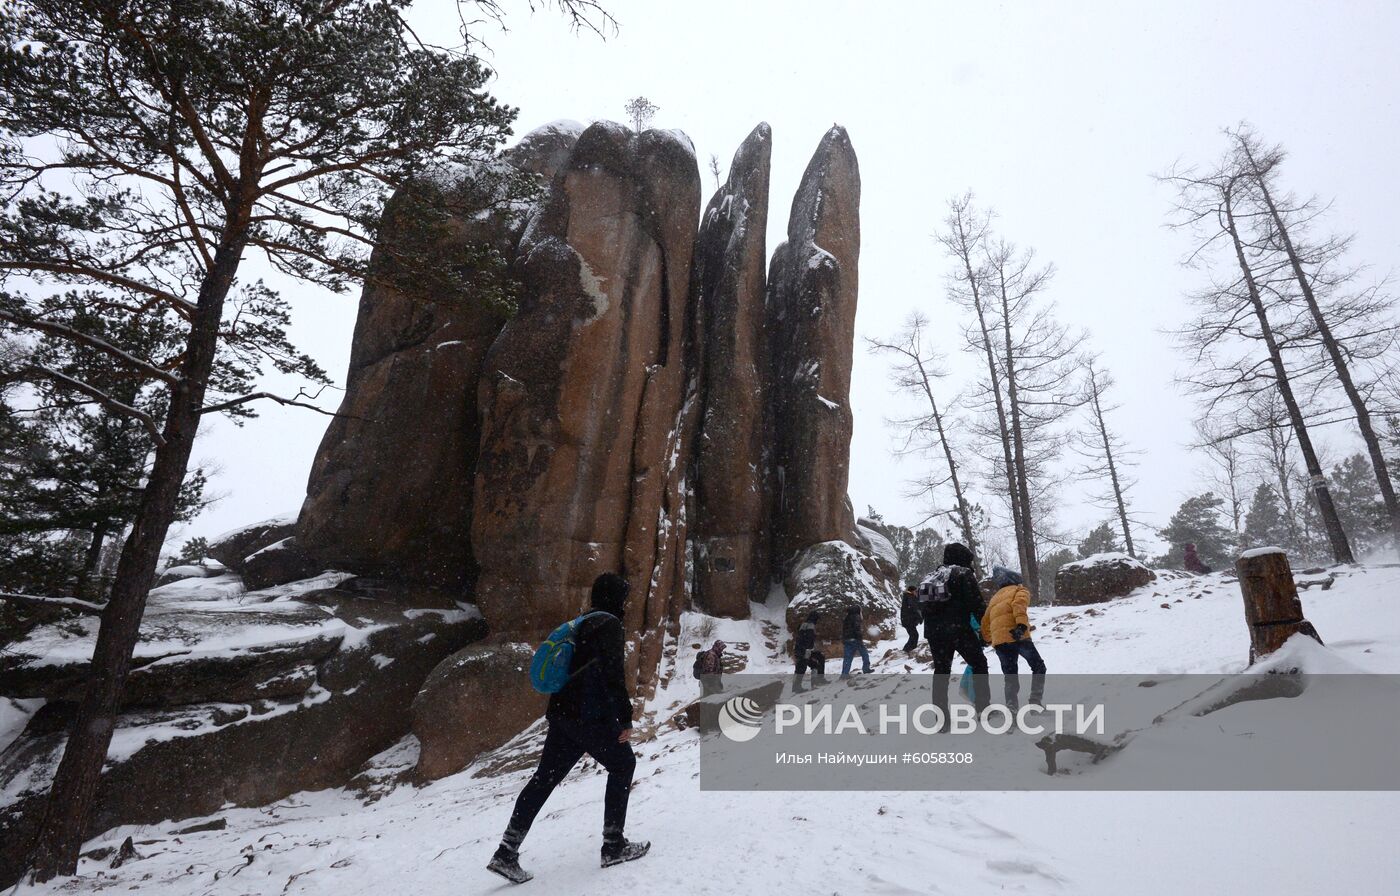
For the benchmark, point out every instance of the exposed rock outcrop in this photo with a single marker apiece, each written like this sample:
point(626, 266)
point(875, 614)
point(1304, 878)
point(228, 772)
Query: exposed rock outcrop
point(731, 467)
point(474, 701)
point(812, 290)
point(233, 547)
point(584, 394)
point(829, 577)
point(246, 703)
point(391, 488)
point(1099, 578)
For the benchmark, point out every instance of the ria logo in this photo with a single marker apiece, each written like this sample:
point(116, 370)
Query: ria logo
point(739, 719)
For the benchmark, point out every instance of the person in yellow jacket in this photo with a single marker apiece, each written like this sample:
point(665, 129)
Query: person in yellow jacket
point(1007, 627)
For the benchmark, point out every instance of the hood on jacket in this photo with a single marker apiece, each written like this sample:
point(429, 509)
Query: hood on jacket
point(1001, 577)
point(610, 593)
point(955, 554)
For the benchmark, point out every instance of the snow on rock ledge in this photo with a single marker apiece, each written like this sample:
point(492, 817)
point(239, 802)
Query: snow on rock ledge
point(232, 701)
point(1099, 578)
point(831, 576)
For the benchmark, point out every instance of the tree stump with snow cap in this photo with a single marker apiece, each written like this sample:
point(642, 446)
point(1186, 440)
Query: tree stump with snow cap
point(1271, 605)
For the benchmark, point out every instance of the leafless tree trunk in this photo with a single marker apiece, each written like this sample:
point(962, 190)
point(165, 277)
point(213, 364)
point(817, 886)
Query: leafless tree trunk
point(1223, 449)
point(1262, 165)
point(1336, 536)
point(916, 369)
point(1097, 383)
point(1239, 312)
point(965, 240)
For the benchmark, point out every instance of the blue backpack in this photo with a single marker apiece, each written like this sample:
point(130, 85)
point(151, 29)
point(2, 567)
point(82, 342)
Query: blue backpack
point(549, 671)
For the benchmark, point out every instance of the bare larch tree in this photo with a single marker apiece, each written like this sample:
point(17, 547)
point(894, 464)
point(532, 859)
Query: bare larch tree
point(1322, 285)
point(917, 367)
point(1107, 453)
point(1215, 205)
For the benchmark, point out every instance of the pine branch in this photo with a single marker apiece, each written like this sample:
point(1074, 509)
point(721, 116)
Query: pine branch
point(103, 399)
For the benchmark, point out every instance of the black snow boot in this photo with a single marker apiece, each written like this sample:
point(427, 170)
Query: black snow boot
point(506, 863)
point(616, 852)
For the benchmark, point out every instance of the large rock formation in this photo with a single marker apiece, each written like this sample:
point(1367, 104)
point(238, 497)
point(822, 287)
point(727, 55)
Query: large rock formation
point(731, 467)
point(584, 394)
point(231, 701)
point(1100, 578)
point(391, 488)
point(812, 288)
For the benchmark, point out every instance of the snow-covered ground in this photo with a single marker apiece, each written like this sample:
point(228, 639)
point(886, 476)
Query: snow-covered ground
point(436, 839)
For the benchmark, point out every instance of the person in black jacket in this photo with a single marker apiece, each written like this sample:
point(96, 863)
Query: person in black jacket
point(591, 714)
point(951, 600)
point(853, 642)
point(805, 653)
point(910, 616)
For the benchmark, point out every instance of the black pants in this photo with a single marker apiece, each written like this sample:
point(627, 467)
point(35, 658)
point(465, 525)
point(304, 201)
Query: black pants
point(1009, 654)
point(913, 629)
point(564, 746)
point(943, 643)
point(815, 661)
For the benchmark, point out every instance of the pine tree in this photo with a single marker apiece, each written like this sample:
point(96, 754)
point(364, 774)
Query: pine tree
point(1266, 524)
point(145, 149)
point(1198, 521)
point(1100, 540)
point(1359, 503)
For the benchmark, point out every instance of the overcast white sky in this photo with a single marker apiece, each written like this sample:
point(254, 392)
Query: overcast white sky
point(1055, 114)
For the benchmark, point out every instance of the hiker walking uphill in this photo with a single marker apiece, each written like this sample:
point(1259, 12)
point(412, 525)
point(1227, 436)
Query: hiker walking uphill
point(952, 602)
point(853, 642)
point(709, 667)
point(910, 616)
point(1007, 627)
point(590, 713)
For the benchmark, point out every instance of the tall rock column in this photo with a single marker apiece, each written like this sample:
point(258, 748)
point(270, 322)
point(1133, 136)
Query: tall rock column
point(812, 288)
point(390, 491)
point(583, 395)
point(730, 482)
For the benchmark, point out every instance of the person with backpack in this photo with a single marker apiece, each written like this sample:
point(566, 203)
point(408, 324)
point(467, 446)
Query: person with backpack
point(910, 616)
point(853, 642)
point(709, 665)
point(805, 653)
point(1007, 627)
point(952, 605)
point(589, 712)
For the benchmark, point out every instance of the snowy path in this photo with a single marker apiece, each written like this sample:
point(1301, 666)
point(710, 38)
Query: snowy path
point(435, 840)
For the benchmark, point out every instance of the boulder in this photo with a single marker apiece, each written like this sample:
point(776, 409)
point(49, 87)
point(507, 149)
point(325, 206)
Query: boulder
point(583, 395)
point(184, 571)
point(830, 577)
point(277, 564)
point(1099, 578)
point(730, 468)
point(878, 545)
point(474, 701)
point(231, 548)
point(812, 291)
point(191, 760)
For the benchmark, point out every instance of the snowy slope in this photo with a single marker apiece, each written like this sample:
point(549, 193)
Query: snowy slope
point(435, 840)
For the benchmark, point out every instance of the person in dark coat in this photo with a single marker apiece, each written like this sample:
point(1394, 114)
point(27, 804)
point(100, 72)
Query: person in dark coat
point(709, 667)
point(853, 642)
point(805, 653)
point(1192, 561)
point(952, 601)
point(591, 714)
point(910, 616)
